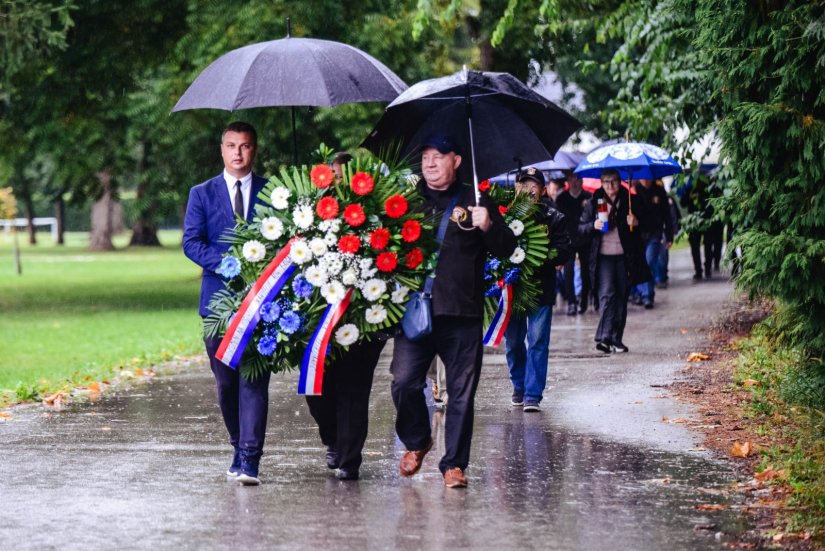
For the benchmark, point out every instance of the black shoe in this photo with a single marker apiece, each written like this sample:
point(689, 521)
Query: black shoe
point(571, 309)
point(332, 458)
point(582, 308)
point(620, 348)
point(346, 474)
point(707, 273)
point(697, 276)
point(603, 346)
point(648, 304)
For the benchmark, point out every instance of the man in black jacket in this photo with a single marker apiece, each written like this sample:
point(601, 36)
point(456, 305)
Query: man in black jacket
point(654, 223)
point(457, 308)
point(528, 364)
point(572, 203)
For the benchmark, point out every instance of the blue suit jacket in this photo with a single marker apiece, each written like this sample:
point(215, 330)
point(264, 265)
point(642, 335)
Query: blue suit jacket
point(209, 215)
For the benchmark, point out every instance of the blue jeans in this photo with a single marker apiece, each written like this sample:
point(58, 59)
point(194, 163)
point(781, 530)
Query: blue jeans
point(653, 248)
point(528, 363)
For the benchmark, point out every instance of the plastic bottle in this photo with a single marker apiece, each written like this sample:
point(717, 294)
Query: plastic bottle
point(601, 208)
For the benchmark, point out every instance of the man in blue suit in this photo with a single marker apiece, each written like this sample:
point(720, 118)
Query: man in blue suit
point(213, 208)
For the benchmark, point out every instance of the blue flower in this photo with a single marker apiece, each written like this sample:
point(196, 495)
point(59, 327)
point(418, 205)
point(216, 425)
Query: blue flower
point(492, 265)
point(267, 345)
point(493, 291)
point(285, 304)
point(230, 267)
point(270, 312)
point(290, 322)
point(301, 286)
point(512, 275)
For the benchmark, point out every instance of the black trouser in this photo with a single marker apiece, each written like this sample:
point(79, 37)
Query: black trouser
point(243, 404)
point(613, 294)
point(342, 410)
point(695, 240)
point(457, 341)
point(569, 275)
point(713, 246)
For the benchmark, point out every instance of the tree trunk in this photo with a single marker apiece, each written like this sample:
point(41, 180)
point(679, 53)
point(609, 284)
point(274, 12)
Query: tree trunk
point(100, 238)
point(145, 231)
point(27, 201)
point(60, 215)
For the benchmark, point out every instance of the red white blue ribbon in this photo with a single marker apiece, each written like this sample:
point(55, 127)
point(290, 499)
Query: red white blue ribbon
point(311, 377)
point(240, 330)
point(499, 324)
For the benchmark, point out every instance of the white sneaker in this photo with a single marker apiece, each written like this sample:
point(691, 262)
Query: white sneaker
point(247, 480)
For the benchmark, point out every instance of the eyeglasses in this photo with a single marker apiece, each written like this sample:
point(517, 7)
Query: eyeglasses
point(610, 183)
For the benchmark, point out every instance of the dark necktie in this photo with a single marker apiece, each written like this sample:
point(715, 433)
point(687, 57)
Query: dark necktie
point(238, 199)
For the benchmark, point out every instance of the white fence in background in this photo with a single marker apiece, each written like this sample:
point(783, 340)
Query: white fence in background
point(7, 224)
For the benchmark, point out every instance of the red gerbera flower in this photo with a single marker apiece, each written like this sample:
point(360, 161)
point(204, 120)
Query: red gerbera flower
point(414, 258)
point(411, 231)
point(395, 206)
point(502, 210)
point(386, 262)
point(379, 238)
point(354, 215)
point(484, 185)
point(321, 175)
point(327, 208)
point(361, 183)
point(349, 243)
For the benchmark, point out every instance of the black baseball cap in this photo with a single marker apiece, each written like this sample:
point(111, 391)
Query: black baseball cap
point(441, 142)
point(532, 173)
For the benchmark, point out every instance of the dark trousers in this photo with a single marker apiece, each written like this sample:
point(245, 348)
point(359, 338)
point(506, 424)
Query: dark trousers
point(457, 341)
point(695, 240)
point(569, 275)
point(713, 246)
point(244, 404)
point(613, 293)
point(342, 410)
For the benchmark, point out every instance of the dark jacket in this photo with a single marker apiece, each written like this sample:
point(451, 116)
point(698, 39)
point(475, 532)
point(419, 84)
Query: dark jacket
point(654, 213)
point(458, 289)
point(637, 268)
point(572, 209)
point(557, 229)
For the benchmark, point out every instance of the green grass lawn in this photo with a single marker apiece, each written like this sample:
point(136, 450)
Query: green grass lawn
point(75, 314)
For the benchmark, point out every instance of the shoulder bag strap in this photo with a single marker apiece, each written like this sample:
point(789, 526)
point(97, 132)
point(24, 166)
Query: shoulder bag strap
point(442, 230)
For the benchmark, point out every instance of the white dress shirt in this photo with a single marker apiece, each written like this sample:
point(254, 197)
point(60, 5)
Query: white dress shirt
point(246, 189)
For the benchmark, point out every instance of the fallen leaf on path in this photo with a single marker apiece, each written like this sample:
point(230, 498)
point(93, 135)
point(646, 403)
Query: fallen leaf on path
point(55, 399)
point(697, 357)
point(679, 420)
point(4, 415)
point(683, 331)
point(139, 372)
point(751, 382)
point(778, 537)
point(741, 450)
point(126, 373)
point(665, 419)
point(666, 480)
point(711, 507)
point(768, 474)
point(661, 396)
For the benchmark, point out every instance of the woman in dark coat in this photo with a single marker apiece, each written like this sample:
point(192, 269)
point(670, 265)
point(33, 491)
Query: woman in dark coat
point(617, 259)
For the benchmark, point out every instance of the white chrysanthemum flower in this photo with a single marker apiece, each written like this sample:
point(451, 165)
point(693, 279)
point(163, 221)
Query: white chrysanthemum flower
point(272, 228)
point(349, 277)
point(333, 292)
point(323, 225)
point(280, 198)
point(316, 275)
point(299, 252)
point(375, 314)
point(335, 225)
point(399, 296)
point(330, 239)
point(517, 226)
point(254, 251)
point(373, 289)
point(302, 216)
point(346, 334)
point(318, 246)
point(518, 256)
point(334, 263)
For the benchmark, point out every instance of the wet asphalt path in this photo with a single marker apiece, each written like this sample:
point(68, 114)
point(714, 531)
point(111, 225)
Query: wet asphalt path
point(596, 469)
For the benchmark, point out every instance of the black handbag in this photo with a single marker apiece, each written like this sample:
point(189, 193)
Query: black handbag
point(417, 321)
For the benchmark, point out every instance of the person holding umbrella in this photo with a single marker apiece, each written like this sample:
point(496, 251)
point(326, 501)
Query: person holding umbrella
point(457, 302)
point(616, 257)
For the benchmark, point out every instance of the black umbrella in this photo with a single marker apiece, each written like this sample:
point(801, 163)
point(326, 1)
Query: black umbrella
point(493, 117)
point(291, 72)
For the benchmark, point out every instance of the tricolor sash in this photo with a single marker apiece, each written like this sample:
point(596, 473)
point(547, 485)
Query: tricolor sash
point(312, 366)
point(499, 323)
point(240, 330)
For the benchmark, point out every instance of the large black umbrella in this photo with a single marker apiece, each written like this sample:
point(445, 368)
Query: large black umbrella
point(494, 118)
point(291, 72)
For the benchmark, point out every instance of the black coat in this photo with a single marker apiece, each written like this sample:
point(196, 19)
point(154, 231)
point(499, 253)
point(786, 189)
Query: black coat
point(634, 256)
point(458, 289)
point(572, 209)
point(557, 229)
point(655, 212)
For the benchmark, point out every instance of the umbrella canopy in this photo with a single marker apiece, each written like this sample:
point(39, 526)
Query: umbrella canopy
point(592, 184)
point(562, 160)
point(633, 160)
point(291, 72)
point(511, 124)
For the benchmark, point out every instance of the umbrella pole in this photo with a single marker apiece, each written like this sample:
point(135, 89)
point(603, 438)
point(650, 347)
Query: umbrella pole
point(472, 142)
point(294, 138)
point(630, 193)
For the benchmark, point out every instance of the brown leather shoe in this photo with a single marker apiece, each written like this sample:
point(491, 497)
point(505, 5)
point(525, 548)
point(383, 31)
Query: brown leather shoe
point(411, 460)
point(454, 478)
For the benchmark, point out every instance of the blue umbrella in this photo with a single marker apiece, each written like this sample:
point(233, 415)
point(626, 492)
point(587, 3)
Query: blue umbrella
point(631, 159)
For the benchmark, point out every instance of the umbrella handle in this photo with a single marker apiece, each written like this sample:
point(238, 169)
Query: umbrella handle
point(472, 142)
